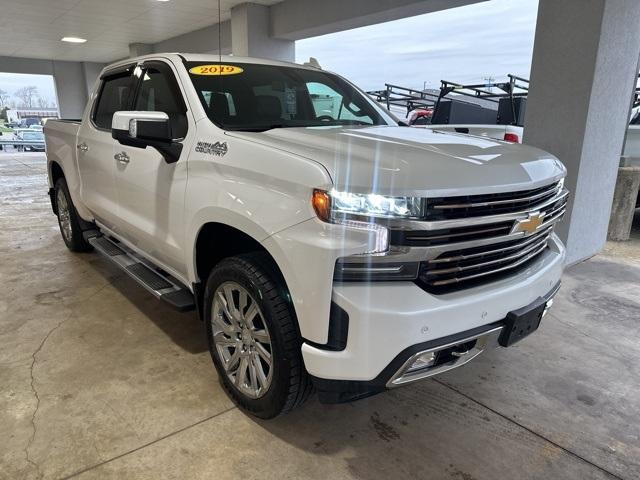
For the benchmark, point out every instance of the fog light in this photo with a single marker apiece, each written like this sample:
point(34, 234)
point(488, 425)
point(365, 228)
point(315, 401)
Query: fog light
point(425, 360)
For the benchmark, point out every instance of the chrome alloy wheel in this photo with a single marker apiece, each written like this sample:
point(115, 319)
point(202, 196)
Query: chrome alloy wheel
point(64, 215)
point(242, 340)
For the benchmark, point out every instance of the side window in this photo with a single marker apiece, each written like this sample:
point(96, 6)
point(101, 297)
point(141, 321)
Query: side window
point(327, 102)
point(159, 92)
point(114, 96)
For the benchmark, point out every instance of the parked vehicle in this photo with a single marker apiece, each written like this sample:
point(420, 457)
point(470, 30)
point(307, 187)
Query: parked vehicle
point(37, 128)
point(494, 110)
point(28, 122)
point(420, 116)
point(508, 133)
point(331, 250)
point(33, 136)
point(19, 132)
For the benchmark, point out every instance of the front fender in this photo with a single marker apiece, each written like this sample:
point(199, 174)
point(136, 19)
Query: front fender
point(222, 216)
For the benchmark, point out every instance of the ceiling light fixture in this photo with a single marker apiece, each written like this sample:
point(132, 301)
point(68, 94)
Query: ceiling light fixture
point(73, 39)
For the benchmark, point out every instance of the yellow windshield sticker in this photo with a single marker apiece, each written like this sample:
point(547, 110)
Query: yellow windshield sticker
point(215, 70)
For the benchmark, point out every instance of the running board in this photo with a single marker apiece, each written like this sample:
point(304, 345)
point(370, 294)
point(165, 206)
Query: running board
point(160, 286)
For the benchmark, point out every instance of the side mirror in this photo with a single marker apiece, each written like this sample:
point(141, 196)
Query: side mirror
point(142, 129)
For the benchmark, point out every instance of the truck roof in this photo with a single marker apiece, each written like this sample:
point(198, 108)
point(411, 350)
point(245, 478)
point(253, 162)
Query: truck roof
point(204, 58)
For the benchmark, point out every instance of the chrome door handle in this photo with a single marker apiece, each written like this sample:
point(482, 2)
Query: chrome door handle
point(83, 147)
point(122, 157)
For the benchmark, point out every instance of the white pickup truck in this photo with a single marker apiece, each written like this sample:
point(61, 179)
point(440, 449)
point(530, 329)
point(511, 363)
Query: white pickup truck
point(325, 249)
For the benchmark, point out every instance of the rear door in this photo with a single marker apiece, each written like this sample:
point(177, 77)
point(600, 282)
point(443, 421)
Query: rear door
point(96, 164)
point(151, 190)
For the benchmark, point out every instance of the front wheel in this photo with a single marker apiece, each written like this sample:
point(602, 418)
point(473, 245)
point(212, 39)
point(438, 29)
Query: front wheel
point(253, 337)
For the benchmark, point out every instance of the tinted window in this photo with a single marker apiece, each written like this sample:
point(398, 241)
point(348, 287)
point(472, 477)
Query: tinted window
point(114, 96)
point(33, 136)
point(159, 92)
point(259, 97)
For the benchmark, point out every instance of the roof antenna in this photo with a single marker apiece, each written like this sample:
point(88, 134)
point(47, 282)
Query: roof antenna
point(219, 47)
point(219, 33)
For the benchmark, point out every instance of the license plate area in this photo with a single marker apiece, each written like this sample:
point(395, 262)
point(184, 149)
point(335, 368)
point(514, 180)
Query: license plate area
point(522, 322)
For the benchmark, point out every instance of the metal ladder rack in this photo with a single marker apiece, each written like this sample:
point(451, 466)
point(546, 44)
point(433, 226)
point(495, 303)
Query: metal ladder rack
point(515, 87)
point(409, 98)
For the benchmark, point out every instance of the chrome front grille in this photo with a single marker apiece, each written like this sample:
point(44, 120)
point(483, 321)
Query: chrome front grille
point(447, 208)
point(460, 266)
point(478, 228)
point(501, 234)
point(468, 263)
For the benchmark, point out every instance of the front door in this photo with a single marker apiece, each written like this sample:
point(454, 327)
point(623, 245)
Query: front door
point(151, 190)
point(94, 147)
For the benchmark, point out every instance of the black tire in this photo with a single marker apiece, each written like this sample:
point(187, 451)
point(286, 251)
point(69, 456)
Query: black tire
point(290, 384)
point(73, 239)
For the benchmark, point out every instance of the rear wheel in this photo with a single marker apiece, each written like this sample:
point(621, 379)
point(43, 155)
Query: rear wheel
point(68, 219)
point(253, 338)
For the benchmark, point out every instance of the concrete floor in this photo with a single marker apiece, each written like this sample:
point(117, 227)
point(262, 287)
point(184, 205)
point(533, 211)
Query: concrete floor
point(100, 380)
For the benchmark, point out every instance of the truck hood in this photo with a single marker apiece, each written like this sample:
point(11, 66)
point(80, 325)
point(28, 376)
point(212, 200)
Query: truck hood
point(399, 161)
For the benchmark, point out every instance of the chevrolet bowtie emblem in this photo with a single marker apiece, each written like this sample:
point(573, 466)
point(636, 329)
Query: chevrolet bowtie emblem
point(529, 225)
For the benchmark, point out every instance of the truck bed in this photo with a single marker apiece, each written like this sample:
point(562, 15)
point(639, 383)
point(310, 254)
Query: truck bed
point(60, 139)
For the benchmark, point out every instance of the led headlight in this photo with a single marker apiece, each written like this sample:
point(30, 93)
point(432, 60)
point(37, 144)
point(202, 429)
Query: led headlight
point(335, 204)
point(356, 210)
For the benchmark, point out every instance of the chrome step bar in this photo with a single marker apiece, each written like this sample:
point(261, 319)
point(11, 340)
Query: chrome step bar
point(160, 285)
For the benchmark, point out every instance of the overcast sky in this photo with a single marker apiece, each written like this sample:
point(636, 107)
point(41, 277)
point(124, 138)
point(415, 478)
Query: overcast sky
point(465, 44)
point(461, 45)
point(10, 82)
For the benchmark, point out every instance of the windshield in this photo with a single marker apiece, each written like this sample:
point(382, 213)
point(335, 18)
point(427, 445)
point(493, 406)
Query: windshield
point(33, 136)
point(254, 97)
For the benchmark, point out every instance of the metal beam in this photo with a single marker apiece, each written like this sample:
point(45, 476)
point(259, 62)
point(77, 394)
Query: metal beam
point(298, 19)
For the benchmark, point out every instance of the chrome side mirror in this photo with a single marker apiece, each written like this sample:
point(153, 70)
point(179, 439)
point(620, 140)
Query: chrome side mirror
point(143, 129)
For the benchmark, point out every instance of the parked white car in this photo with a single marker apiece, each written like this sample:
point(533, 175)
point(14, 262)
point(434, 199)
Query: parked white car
point(322, 247)
point(508, 133)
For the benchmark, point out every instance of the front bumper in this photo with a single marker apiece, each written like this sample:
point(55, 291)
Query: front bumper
point(450, 352)
point(391, 321)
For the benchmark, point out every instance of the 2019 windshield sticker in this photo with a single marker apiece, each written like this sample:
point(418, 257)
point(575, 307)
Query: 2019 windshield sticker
point(215, 70)
point(218, 149)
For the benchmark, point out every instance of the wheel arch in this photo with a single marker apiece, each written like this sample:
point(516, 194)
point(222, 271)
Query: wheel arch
point(216, 240)
point(55, 172)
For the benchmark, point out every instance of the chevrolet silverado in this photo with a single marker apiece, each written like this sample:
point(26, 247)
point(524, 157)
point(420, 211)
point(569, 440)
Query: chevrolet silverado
point(325, 247)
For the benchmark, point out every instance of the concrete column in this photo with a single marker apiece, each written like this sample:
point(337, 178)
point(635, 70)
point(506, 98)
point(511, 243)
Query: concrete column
point(71, 88)
point(138, 49)
point(91, 72)
point(251, 34)
point(582, 77)
point(624, 203)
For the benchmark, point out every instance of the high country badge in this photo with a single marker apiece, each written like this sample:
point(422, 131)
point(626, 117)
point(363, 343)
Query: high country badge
point(218, 149)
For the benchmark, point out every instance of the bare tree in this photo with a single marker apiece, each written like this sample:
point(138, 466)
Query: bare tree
point(42, 102)
point(27, 95)
point(4, 98)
